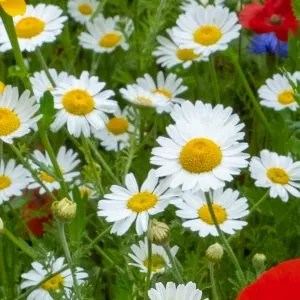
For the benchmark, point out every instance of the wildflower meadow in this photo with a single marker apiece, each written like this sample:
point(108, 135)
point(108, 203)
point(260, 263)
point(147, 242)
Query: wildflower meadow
point(149, 149)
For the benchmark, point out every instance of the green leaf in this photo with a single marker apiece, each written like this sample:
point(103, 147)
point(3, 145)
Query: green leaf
point(47, 111)
point(296, 8)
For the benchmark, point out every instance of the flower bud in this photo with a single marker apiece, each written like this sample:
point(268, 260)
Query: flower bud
point(1, 225)
point(158, 232)
point(64, 210)
point(258, 261)
point(215, 252)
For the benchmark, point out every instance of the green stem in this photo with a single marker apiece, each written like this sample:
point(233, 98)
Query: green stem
point(173, 263)
point(214, 79)
point(44, 65)
point(149, 270)
point(259, 202)
point(248, 89)
point(63, 240)
point(197, 81)
point(131, 154)
point(213, 281)
point(225, 242)
point(3, 272)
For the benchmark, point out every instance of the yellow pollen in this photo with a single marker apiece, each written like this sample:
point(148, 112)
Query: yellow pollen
point(200, 155)
point(85, 192)
point(278, 175)
point(9, 121)
point(205, 216)
point(157, 263)
point(163, 92)
point(85, 9)
point(5, 182)
point(207, 35)
point(142, 201)
point(46, 177)
point(55, 283)
point(117, 125)
point(144, 100)
point(29, 27)
point(286, 97)
point(2, 87)
point(186, 54)
point(78, 102)
point(110, 40)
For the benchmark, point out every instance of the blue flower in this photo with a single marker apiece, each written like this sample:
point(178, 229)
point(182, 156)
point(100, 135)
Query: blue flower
point(268, 43)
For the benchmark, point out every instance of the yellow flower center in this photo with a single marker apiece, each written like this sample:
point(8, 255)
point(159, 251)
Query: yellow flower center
point(2, 87)
point(85, 9)
point(5, 182)
point(54, 283)
point(163, 92)
point(85, 192)
point(9, 121)
point(110, 40)
point(144, 100)
point(46, 177)
point(29, 27)
point(186, 54)
point(219, 211)
point(117, 125)
point(200, 155)
point(286, 97)
point(157, 263)
point(278, 175)
point(78, 102)
point(207, 35)
point(142, 201)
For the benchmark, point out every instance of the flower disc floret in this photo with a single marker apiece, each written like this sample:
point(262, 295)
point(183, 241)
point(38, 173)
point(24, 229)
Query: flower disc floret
point(29, 27)
point(9, 121)
point(142, 201)
point(278, 175)
point(207, 35)
point(219, 211)
point(117, 125)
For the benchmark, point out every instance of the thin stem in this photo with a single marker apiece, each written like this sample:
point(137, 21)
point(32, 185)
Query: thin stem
point(213, 281)
point(259, 202)
point(225, 242)
point(214, 79)
point(173, 263)
point(63, 239)
point(197, 81)
point(149, 270)
point(44, 65)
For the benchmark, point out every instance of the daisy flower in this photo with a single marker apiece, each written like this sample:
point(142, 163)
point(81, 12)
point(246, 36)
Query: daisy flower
point(169, 54)
point(16, 114)
point(82, 10)
point(169, 87)
point(188, 291)
point(85, 189)
point(190, 4)
point(104, 35)
point(159, 258)
point(13, 8)
point(59, 283)
point(206, 29)
point(278, 92)
point(278, 173)
point(41, 83)
point(115, 135)
point(82, 104)
point(227, 206)
point(125, 205)
point(40, 24)
point(67, 161)
point(203, 150)
point(13, 179)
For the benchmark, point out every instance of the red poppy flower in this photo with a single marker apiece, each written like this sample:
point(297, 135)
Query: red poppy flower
point(279, 283)
point(273, 16)
point(37, 213)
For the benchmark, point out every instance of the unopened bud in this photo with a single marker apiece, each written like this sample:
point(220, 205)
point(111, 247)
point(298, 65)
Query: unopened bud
point(258, 261)
point(215, 252)
point(1, 225)
point(64, 210)
point(158, 232)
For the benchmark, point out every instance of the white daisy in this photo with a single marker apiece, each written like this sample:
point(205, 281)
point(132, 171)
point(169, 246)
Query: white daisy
point(159, 258)
point(41, 83)
point(82, 10)
point(278, 92)
point(67, 161)
point(227, 206)
point(171, 292)
point(169, 87)
point(190, 4)
point(203, 150)
point(82, 104)
point(115, 136)
point(206, 29)
point(13, 179)
point(126, 205)
point(170, 54)
point(104, 35)
point(278, 173)
point(40, 24)
point(16, 114)
point(61, 283)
